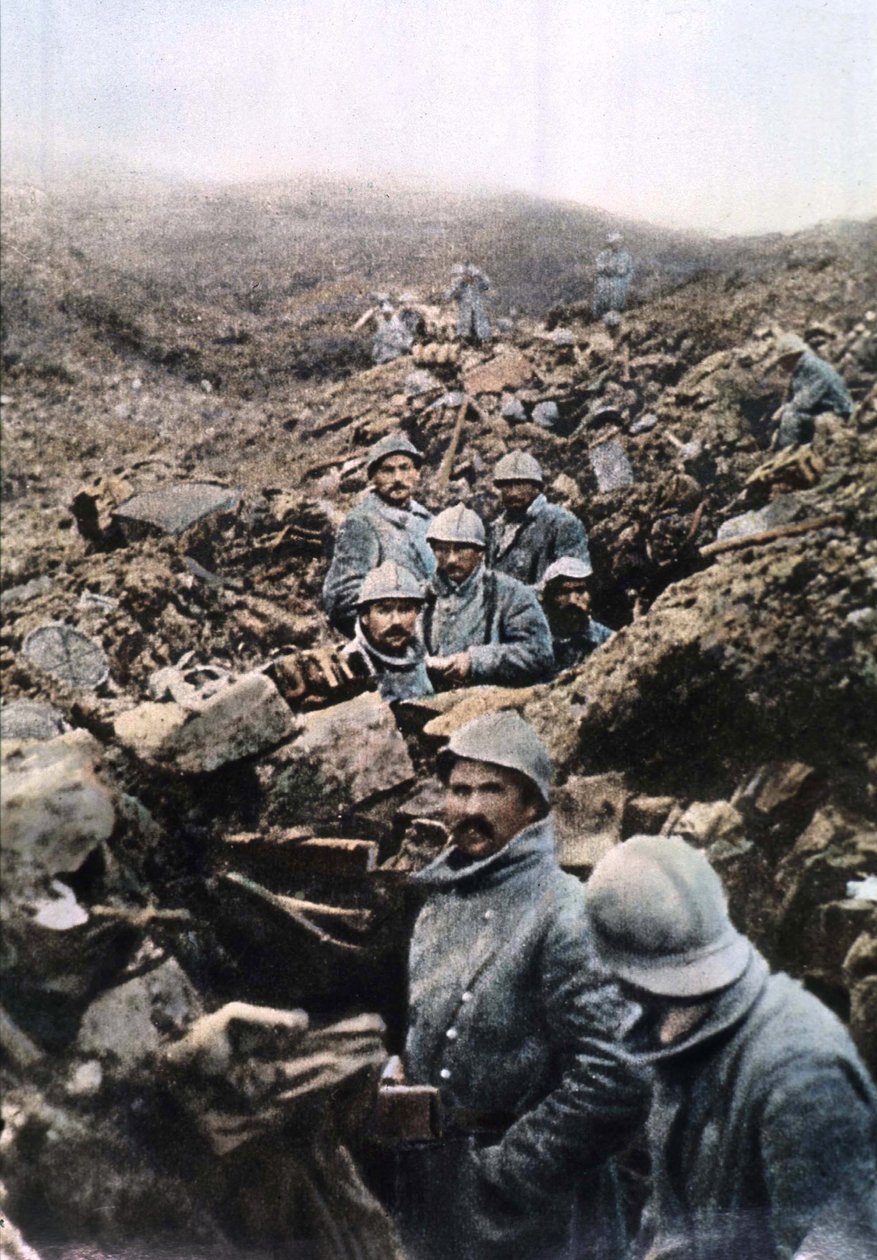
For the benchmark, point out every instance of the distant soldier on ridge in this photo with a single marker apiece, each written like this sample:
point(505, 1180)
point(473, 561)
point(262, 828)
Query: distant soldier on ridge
point(614, 267)
point(814, 387)
point(469, 283)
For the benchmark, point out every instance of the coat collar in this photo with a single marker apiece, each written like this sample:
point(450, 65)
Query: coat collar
point(446, 590)
point(532, 845)
point(414, 653)
point(400, 517)
point(510, 530)
point(728, 1009)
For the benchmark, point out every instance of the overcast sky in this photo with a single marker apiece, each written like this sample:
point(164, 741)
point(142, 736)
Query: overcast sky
point(731, 115)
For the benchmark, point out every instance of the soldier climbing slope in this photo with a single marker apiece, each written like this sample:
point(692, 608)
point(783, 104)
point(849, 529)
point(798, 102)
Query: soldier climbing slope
point(479, 626)
point(814, 387)
point(763, 1131)
point(515, 1023)
point(566, 602)
point(469, 283)
point(530, 533)
point(388, 525)
point(387, 638)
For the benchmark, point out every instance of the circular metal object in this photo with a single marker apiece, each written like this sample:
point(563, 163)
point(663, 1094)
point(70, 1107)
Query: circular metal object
point(68, 654)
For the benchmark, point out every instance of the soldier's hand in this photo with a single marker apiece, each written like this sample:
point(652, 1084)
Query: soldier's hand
point(453, 670)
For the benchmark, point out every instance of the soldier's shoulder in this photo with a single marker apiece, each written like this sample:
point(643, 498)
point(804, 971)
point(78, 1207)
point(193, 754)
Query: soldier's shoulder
point(511, 588)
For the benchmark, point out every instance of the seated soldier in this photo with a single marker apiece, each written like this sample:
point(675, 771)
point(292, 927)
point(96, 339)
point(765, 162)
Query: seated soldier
point(387, 638)
point(479, 626)
point(814, 387)
point(387, 525)
point(530, 533)
point(566, 602)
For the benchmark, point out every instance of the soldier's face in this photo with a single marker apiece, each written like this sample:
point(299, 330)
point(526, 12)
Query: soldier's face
point(517, 496)
point(456, 561)
point(389, 624)
point(570, 596)
point(486, 806)
point(395, 479)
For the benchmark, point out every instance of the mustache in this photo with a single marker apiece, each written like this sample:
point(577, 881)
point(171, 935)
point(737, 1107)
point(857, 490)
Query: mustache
point(477, 824)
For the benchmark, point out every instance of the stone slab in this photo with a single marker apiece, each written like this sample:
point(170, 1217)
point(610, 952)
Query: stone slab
point(173, 508)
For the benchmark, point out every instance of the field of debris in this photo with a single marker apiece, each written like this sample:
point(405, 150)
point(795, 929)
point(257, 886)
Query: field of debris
point(203, 805)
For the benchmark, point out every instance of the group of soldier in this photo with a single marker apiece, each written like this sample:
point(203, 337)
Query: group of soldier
point(439, 602)
point(558, 1021)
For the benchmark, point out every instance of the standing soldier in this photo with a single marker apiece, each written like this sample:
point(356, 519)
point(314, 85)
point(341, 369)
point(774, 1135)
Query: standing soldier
point(763, 1131)
point(469, 282)
point(814, 387)
point(614, 272)
point(479, 626)
point(530, 533)
point(387, 638)
point(514, 1022)
point(388, 525)
point(566, 601)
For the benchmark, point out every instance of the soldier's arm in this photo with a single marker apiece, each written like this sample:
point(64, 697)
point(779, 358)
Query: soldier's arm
point(819, 1154)
point(809, 389)
point(601, 1099)
point(357, 550)
point(524, 653)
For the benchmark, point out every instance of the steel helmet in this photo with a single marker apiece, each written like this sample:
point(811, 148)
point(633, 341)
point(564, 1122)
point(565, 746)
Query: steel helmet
point(661, 918)
point(565, 567)
point(518, 466)
point(457, 524)
point(501, 739)
point(392, 444)
point(389, 581)
point(788, 344)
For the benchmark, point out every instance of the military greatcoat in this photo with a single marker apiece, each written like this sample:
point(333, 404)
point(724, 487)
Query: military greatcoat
point(511, 1018)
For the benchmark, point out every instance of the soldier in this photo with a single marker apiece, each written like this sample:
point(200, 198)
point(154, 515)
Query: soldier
point(566, 602)
point(511, 1018)
point(393, 337)
point(468, 285)
point(387, 638)
point(388, 525)
point(479, 626)
point(763, 1130)
point(614, 271)
point(530, 533)
point(814, 387)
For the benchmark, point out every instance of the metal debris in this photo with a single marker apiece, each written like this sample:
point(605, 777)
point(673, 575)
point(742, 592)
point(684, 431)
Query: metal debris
point(68, 654)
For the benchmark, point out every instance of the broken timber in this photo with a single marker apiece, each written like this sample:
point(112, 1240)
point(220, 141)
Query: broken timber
point(769, 535)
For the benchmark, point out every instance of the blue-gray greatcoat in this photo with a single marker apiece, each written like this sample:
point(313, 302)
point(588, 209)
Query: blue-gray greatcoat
point(814, 387)
point(497, 620)
point(472, 321)
point(572, 650)
point(398, 677)
point(614, 272)
point(511, 1014)
point(524, 548)
point(372, 533)
point(763, 1132)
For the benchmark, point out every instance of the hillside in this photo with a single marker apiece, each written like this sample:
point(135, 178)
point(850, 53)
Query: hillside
point(177, 333)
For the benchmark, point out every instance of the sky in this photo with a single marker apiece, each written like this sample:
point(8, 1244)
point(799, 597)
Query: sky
point(725, 115)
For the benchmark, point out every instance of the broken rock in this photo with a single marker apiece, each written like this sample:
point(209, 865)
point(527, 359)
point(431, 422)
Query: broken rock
point(244, 718)
point(508, 370)
point(704, 822)
point(588, 813)
point(53, 807)
point(174, 508)
point(137, 1019)
point(611, 465)
point(30, 719)
point(342, 757)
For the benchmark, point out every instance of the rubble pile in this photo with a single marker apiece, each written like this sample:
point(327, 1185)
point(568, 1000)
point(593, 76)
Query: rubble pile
point(209, 817)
